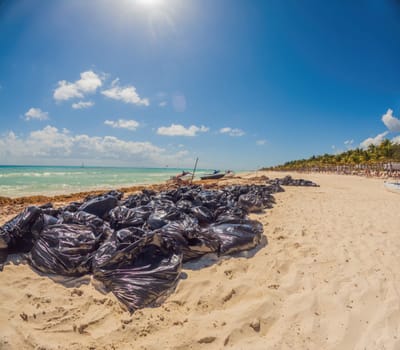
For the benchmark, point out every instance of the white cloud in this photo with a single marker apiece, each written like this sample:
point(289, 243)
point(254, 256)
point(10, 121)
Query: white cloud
point(162, 103)
point(82, 104)
point(391, 122)
point(36, 113)
point(377, 140)
point(261, 142)
point(123, 124)
point(51, 143)
point(126, 94)
point(180, 130)
point(88, 83)
point(232, 132)
point(396, 139)
point(349, 144)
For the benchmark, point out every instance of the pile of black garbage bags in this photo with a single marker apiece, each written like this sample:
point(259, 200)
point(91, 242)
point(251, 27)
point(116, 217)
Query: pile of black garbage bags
point(136, 246)
point(289, 181)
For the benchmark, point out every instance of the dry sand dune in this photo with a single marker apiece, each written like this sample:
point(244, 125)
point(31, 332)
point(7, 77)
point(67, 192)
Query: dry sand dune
point(328, 279)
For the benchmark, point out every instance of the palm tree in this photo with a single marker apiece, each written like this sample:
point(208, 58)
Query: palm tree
point(375, 156)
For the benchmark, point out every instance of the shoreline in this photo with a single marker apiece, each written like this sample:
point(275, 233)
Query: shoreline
point(29, 181)
point(255, 175)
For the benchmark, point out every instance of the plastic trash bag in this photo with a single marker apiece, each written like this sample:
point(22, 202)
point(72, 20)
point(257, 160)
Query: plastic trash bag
point(251, 202)
point(83, 218)
point(162, 215)
point(236, 235)
point(48, 209)
point(16, 233)
point(71, 207)
point(139, 199)
point(188, 237)
point(289, 181)
point(184, 205)
point(141, 274)
point(99, 206)
point(117, 241)
point(203, 214)
point(65, 249)
point(121, 217)
point(41, 223)
point(224, 214)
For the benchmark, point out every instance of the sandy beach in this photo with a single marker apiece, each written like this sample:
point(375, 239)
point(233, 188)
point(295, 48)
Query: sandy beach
point(327, 279)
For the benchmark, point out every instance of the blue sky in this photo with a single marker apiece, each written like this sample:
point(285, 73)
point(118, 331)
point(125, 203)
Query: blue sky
point(238, 83)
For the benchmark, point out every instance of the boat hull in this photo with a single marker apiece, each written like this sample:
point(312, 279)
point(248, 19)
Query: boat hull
point(212, 176)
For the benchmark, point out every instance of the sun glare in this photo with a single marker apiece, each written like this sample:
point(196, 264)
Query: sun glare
point(150, 3)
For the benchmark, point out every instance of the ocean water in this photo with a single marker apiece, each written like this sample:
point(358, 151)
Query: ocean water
point(17, 181)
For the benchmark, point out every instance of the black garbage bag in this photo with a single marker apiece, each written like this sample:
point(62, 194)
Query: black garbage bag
point(80, 217)
point(188, 237)
point(117, 241)
point(251, 202)
point(203, 214)
point(121, 217)
point(65, 249)
point(100, 205)
point(162, 215)
point(139, 199)
point(164, 197)
point(112, 193)
point(41, 223)
point(187, 193)
point(289, 181)
point(50, 210)
point(149, 193)
point(228, 213)
point(16, 234)
point(274, 187)
point(116, 194)
point(71, 207)
point(286, 181)
point(236, 235)
point(268, 198)
point(141, 274)
point(307, 183)
point(184, 205)
point(83, 218)
point(209, 198)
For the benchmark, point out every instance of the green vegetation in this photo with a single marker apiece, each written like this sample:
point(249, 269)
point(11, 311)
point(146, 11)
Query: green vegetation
point(372, 157)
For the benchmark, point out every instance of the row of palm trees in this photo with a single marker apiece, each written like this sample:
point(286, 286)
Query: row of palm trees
point(374, 157)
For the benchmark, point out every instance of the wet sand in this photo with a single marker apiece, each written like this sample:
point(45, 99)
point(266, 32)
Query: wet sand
point(328, 279)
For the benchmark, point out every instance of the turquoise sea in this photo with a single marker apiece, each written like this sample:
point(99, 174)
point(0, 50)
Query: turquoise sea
point(17, 181)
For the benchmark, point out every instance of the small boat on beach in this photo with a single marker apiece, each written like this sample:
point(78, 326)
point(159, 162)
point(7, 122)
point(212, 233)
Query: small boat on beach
point(392, 186)
point(217, 174)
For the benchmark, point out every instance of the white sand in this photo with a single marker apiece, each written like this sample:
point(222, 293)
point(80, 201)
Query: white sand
point(328, 279)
